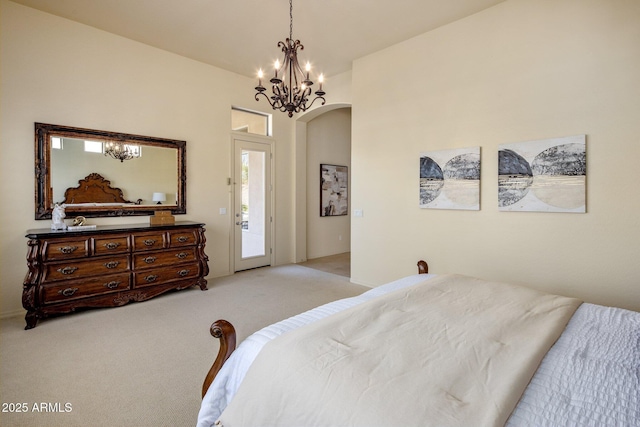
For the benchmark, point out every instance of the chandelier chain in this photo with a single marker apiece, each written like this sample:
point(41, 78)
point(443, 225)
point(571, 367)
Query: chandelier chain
point(291, 19)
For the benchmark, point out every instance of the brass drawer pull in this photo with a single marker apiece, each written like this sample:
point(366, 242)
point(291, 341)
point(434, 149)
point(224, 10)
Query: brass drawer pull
point(151, 278)
point(112, 284)
point(68, 249)
point(149, 259)
point(149, 242)
point(67, 270)
point(111, 245)
point(111, 264)
point(68, 292)
point(183, 273)
point(182, 255)
point(182, 239)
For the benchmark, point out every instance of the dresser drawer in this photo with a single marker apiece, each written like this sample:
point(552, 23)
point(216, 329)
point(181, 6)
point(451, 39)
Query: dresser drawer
point(78, 269)
point(75, 289)
point(111, 245)
point(169, 257)
point(183, 238)
point(65, 249)
point(166, 274)
point(148, 241)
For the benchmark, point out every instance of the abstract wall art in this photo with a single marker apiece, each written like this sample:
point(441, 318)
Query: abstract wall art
point(450, 179)
point(546, 175)
point(333, 190)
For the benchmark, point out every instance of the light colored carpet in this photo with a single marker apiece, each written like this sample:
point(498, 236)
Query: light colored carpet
point(143, 364)
point(336, 264)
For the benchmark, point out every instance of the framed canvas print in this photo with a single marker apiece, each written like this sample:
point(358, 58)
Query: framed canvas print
point(547, 175)
point(450, 179)
point(333, 190)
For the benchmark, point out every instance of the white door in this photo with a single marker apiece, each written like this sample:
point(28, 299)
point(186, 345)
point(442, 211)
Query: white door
point(252, 202)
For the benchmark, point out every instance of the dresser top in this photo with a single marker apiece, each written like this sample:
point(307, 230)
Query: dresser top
point(102, 229)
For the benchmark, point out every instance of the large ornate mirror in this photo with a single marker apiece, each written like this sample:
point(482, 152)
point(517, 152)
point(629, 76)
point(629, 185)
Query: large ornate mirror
point(98, 173)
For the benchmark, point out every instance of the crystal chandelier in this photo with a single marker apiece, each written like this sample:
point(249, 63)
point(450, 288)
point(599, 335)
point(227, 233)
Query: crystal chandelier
point(291, 87)
point(121, 151)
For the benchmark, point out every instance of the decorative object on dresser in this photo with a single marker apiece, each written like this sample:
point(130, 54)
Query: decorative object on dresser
point(57, 218)
point(110, 266)
point(162, 218)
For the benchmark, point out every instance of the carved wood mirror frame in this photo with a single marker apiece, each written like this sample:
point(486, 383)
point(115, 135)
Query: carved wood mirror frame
point(43, 190)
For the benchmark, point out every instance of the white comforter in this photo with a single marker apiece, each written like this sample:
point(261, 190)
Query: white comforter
point(228, 380)
point(615, 387)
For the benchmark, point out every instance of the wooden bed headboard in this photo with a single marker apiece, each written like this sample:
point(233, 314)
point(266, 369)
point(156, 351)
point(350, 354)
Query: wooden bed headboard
point(94, 188)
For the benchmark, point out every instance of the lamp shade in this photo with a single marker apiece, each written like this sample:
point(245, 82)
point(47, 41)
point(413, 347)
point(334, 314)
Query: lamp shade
point(159, 197)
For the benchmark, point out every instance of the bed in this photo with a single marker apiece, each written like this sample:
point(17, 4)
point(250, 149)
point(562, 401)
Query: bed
point(459, 351)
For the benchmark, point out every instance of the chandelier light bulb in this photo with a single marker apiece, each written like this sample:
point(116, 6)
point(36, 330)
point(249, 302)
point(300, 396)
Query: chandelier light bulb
point(276, 66)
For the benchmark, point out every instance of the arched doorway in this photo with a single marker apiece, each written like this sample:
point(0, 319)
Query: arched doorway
point(301, 174)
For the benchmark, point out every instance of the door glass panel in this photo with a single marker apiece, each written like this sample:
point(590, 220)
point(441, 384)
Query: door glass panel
point(253, 203)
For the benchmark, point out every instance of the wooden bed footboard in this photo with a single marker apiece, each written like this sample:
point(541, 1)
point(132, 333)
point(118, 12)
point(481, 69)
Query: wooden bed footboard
point(226, 333)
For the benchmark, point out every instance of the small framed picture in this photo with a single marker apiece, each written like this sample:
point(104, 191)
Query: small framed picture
point(334, 199)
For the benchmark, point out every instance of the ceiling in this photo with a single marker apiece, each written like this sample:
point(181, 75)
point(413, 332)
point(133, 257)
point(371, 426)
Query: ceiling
point(242, 35)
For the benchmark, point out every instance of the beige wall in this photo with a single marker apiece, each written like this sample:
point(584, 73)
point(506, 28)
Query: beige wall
point(53, 70)
point(329, 142)
point(522, 70)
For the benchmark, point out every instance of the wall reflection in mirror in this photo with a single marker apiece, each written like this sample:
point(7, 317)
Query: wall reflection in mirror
point(138, 177)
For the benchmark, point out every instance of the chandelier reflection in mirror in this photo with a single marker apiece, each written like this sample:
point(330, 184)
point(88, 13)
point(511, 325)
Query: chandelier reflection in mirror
point(121, 151)
point(291, 86)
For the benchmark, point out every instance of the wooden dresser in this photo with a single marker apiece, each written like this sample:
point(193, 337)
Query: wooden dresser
point(110, 266)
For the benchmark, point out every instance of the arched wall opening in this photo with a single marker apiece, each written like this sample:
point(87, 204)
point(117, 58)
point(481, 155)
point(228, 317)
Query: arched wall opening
point(301, 179)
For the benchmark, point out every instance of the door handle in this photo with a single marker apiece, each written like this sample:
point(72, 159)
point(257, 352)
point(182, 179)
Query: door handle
point(238, 223)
